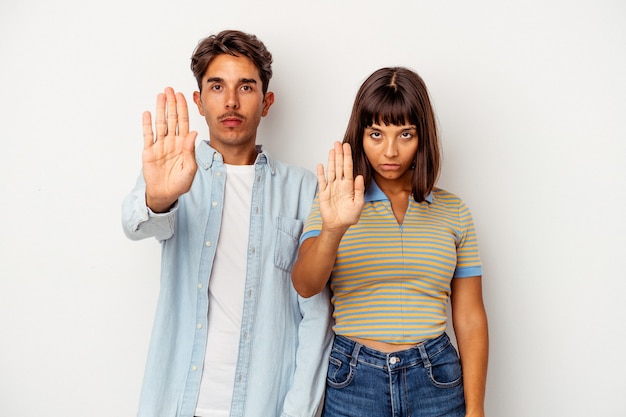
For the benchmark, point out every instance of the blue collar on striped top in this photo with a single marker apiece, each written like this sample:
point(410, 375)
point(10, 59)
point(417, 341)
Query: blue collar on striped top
point(374, 193)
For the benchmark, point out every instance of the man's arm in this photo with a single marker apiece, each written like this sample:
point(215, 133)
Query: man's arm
point(139, 222)
point(168, 169)
point(315, 338)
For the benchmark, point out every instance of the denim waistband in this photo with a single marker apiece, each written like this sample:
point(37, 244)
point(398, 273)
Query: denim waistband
point(420, 353)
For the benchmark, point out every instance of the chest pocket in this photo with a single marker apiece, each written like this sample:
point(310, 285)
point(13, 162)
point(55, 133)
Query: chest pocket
point(288, 232)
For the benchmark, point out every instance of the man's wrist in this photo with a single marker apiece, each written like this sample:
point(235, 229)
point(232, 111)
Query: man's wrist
point(159, 206)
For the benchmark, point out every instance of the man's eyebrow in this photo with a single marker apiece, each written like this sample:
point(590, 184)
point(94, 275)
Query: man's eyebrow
point(221, 80)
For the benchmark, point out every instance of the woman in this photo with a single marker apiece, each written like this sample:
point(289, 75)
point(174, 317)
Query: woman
point(395, 248)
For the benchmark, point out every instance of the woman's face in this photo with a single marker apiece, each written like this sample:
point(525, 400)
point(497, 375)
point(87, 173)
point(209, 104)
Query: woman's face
point(391, 150)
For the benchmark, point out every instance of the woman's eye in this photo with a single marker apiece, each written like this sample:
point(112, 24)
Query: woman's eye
point(375, 135)
point(407, 135)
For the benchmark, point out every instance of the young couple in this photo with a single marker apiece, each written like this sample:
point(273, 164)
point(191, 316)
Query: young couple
point(260, 259)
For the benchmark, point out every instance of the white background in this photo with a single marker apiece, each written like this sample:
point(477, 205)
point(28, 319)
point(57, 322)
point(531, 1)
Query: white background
point(531, 100)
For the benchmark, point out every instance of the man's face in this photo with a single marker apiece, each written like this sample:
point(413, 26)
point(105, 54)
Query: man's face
point(232, 102)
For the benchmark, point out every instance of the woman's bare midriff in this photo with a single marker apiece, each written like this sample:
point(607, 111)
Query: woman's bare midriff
point(382, 346)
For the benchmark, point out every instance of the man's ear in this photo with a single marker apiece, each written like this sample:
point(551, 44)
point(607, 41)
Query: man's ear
point(267, 103)
point(198, 100)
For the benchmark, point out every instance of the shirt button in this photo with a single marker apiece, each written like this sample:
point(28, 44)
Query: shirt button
point(207, 243)
point(199, 325)
point(214, 204)
point(199, 285)
point(219, 174)
point(194, 368)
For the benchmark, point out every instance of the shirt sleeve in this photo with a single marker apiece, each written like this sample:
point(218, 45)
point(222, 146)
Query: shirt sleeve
point(314, 343)
point(139, 222)
point(468, 255)
point(313, 223)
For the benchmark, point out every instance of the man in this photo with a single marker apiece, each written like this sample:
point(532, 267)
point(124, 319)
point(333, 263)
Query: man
point(231, 336)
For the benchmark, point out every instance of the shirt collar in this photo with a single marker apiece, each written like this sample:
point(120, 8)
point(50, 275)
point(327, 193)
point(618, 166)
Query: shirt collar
point(374, 193)
point(206, 156)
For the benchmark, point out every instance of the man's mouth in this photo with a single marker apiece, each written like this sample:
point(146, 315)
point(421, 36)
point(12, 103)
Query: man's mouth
point(231, 120)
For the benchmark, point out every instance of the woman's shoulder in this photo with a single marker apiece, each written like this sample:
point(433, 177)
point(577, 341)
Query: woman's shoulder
point(447, 198)
point(445, 194)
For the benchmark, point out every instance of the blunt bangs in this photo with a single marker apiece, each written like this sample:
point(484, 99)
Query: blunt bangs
point(386, 105)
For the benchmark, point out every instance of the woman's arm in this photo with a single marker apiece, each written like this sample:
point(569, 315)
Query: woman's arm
point(471, 330)
point(315, 262)
point(340, 197)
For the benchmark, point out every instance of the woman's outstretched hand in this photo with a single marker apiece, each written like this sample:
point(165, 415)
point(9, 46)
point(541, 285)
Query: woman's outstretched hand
point(340, 194)
point(341, 201)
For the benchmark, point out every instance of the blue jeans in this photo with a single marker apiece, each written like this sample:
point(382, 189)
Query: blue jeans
point(423, 381)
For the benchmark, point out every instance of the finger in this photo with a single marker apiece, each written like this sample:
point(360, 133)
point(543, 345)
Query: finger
point(183, 115)
point(189, 144)
point(330, 167)
point(148, 134)
point(338, 160)
point(359, 190)
point(189, 148)
point(348, 168)
point(321, 179)
point(161, 126)
point(172, 116)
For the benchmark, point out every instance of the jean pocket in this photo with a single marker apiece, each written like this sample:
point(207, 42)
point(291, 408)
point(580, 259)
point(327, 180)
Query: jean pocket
point(445, 370)
point(340, 373)
point(286, 246)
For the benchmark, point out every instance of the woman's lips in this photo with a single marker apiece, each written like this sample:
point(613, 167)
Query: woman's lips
point(389, 167)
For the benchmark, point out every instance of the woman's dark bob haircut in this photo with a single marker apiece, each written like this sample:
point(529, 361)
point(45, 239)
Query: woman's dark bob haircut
point(396, 96)
point(235, 43)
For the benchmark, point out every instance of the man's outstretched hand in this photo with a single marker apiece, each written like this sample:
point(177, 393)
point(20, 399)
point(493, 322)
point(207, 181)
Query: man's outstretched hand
point(169, 162)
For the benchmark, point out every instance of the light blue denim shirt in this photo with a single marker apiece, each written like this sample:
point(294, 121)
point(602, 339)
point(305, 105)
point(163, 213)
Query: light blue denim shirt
point(285, 339)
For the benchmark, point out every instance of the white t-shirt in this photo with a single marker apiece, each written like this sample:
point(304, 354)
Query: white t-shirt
point(226, 294)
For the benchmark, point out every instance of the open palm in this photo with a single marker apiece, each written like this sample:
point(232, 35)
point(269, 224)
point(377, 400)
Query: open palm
point(169, 163)
point(340, 194)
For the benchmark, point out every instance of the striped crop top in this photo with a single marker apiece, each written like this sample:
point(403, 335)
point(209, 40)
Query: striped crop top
point(391, 282)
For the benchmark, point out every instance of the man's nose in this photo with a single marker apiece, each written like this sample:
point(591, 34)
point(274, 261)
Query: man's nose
point(232, 102)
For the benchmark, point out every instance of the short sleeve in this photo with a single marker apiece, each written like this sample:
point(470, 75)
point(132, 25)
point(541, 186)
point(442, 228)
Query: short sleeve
point(468, 254)
point(313, 223)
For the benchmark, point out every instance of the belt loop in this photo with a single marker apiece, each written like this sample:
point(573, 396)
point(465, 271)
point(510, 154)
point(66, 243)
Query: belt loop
point(355, 353)
point(424, 355)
